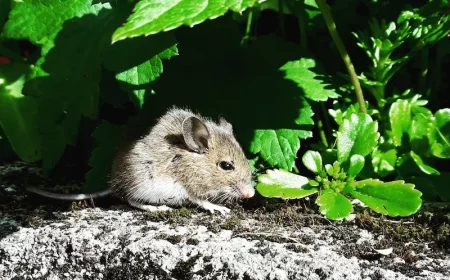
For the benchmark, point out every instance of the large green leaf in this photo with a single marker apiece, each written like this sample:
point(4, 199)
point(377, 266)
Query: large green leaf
point(154, 16)
point(40, 21)
point(18, 112)
point(74, 37)
point(400, 117)
point(107, 138)
point(138, 62)
point(300, 72)
point(395, 198)
point(283, 184)
point(439, 134)
point(333, 205)
point(357, 135)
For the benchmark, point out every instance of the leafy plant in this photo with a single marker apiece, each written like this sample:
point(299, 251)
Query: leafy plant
point(335, 183)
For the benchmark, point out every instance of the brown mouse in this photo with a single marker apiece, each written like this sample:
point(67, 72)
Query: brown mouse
point(183, 159)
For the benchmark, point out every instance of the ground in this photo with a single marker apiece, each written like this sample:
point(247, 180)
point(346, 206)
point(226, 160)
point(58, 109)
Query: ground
point(260, 239)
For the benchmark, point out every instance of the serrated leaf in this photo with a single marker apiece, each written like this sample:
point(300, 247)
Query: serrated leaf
point(151, 17)
point(283, 184)
point(356, 135)
point(313, 161)
point(395, 198)
point(26, 19)
point(278, 147)
point(18, 113)
point(356, 165)
point(423, 166)
point(300, 72)
point(400, 118)
point(106, 137)
point(439, 134)
point(138, 63)
point(334, 206)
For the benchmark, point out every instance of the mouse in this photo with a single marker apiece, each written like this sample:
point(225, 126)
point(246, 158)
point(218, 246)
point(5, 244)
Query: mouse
point(183, 159)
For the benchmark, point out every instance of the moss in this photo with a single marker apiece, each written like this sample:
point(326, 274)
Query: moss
point(173, 216)
point(192, 241)
point(231, 223)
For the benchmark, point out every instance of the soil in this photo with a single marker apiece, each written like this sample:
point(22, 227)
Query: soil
point(260, 239)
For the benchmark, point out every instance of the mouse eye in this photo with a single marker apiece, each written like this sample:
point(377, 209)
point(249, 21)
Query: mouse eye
point(226, 165)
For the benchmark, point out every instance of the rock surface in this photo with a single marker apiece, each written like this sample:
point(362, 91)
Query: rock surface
point(118, 242)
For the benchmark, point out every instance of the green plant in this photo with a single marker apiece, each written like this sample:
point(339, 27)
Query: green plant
point(335, 183)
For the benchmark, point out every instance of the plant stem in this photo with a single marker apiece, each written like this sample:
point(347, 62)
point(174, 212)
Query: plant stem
point(325, 10)
point(248, 27)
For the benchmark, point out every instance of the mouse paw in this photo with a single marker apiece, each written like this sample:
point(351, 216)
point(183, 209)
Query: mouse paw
point(211, 207)
point(149, 208)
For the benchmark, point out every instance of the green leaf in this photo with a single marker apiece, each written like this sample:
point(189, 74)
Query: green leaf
point(283, 184)
point(138, 62)
point(300, 72)
point(313, 161)
point(421, 124)
point(278, 147)
point(18, 112)
point(395, 198)
point(66, 80)
point(107, 137)
point(439, 134)
point(333, 205)
point(150, 16)
point(356, 165)
point(384, 159)
point(424, 167)
point(400, 117)
point(356, 135)
point(26, 19)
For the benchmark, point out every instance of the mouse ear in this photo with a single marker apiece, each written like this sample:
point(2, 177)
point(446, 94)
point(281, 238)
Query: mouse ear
point(195, 134)
point(223, 123)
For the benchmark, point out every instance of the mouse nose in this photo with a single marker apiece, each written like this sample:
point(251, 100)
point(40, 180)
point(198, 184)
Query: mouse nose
point(247, 191)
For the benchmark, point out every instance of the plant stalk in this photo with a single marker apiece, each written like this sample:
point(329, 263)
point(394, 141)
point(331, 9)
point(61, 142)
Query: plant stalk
point(325, 10)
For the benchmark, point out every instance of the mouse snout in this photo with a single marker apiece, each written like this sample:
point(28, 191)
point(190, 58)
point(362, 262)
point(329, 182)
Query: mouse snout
point(246, 191)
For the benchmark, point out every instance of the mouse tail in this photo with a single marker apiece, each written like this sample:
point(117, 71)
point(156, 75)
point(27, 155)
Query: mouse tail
point(60, 196)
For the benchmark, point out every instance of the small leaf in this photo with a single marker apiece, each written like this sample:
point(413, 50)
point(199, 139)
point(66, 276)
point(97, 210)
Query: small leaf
point(384, 159)
point(395, 198)
point(440, 134)
point(400, 117)
point(424, 167)
point(278, 147)
point(356, 136)
point(313, 161)
point(356, 165)
point(334, 206)
point(283, 184)
point(329, 168)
